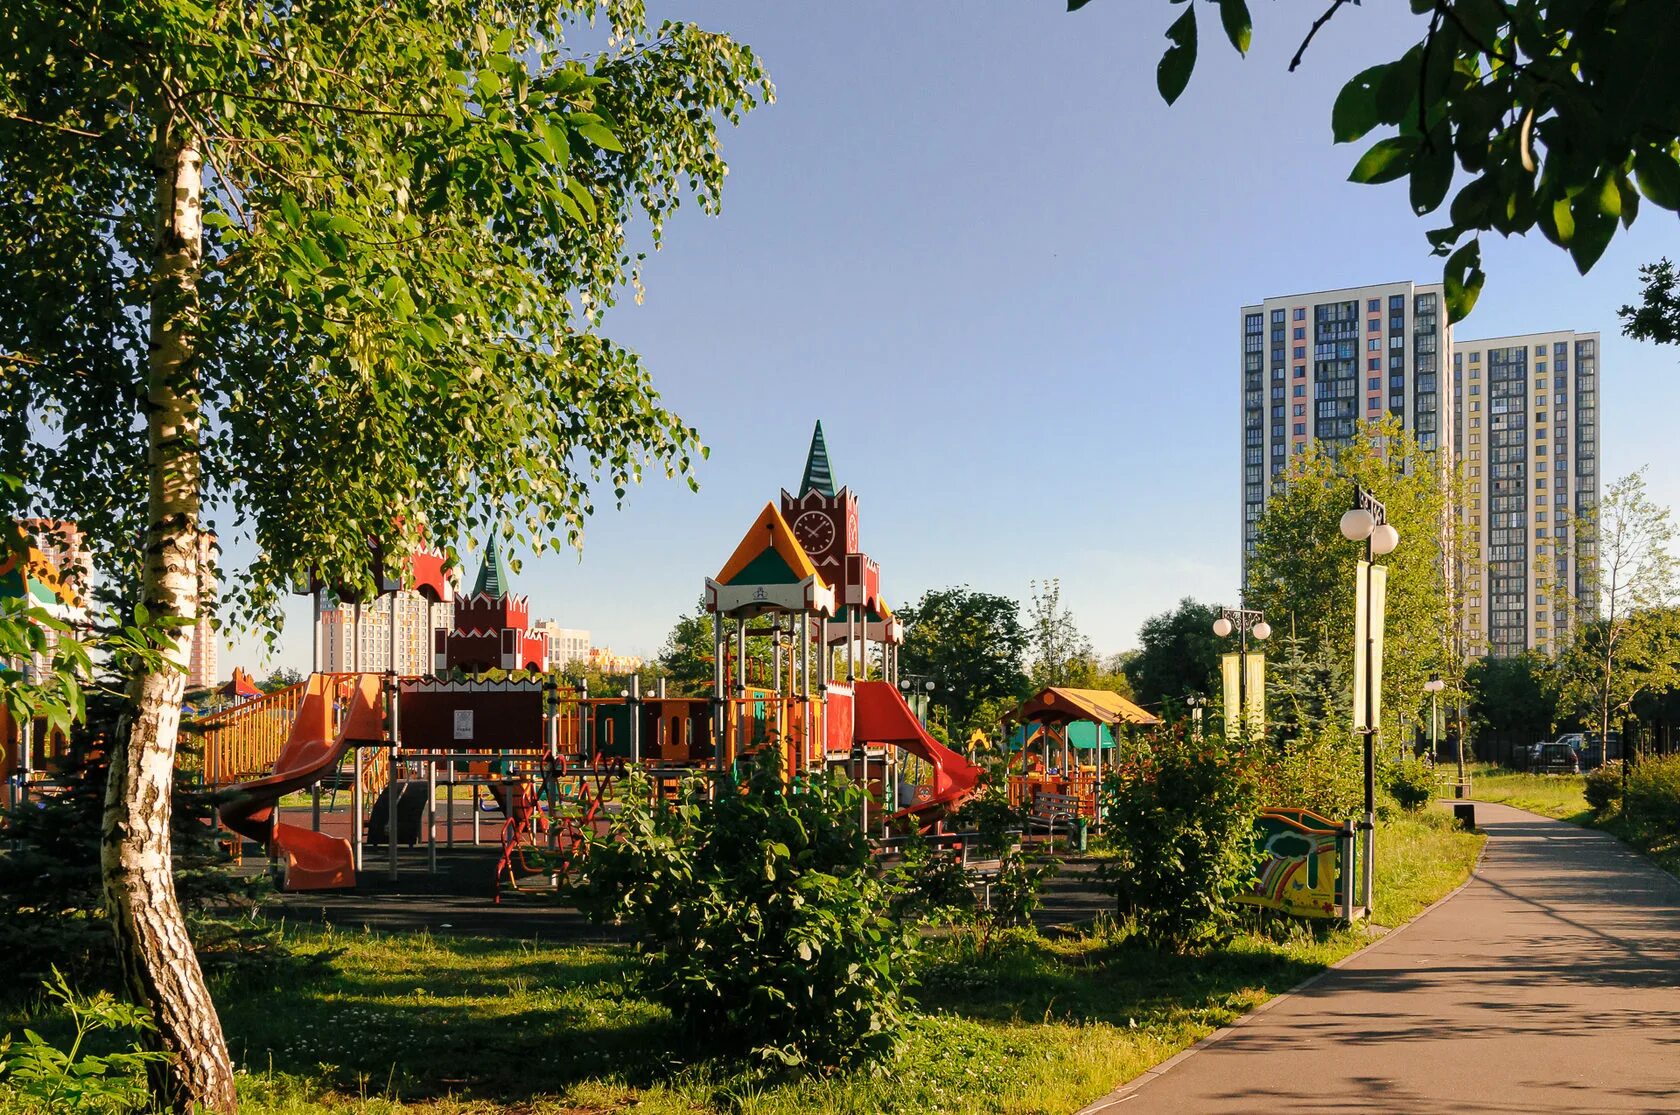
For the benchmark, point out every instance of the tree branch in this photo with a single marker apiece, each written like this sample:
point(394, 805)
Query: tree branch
point(1301, 52)
point(22, 119)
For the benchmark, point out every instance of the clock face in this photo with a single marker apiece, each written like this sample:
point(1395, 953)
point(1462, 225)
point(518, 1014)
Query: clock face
point(815, 531)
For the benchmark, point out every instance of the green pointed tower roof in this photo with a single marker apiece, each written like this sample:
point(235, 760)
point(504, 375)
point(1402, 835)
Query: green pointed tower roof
point(817, 473)
point(492, 575)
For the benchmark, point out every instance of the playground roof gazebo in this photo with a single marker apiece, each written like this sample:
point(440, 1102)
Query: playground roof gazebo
point(1058, 705)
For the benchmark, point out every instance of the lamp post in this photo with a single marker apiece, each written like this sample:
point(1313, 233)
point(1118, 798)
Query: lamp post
point(1197, 702)
point(1243, 621)
point(1367, 522)
point(1433, 687)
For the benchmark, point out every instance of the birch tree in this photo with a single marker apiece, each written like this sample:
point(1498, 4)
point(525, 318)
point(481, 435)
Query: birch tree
point(336, 273)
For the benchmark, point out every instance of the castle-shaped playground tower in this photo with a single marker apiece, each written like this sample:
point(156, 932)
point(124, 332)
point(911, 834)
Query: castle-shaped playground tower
point(492, 625)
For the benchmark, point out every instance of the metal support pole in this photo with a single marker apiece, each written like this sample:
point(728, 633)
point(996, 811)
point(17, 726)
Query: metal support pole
point(393, 729)
point(357, 835)
point(1369, 826)
point(431, 815)
point(449, 830)
point(635, 703)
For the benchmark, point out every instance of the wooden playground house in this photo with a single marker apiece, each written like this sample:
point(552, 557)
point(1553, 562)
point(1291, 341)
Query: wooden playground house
point(30, 752)
point(1062, 735)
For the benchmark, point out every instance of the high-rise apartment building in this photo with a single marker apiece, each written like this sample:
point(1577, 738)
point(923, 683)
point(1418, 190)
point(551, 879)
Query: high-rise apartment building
point(1528, 441)
point(565, 644)
point(1518, 413)
point(347, 646)
point(1316, 365)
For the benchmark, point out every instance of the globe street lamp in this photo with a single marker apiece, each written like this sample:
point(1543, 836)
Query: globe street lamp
point(1243, 621)
point(1367, 522)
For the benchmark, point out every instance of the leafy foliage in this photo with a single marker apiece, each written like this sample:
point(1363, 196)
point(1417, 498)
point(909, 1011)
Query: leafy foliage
point(1061, 655)
point(973, 644)
point(42, 1078)
point(1513, 696)
point(1411, 782)
point(1633, 647)
point(54, 914)
point(1555, 114)
point(1604, 786)
point(414, 220)
point(1657, 317)
point(1651, 801)
point(1181, 818)
point(1179, 655)
point(760, 913)
point(1303, 569)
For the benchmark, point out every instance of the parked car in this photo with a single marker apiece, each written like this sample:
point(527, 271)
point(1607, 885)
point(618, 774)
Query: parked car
point(1557, 758)
point(1594, 753)
point(1577, 741)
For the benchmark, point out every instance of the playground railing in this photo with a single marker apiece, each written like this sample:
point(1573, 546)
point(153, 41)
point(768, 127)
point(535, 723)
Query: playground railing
point(242, 742)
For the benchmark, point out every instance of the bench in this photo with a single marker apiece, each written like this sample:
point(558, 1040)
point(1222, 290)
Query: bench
point(980, 868)
point(1050, 810)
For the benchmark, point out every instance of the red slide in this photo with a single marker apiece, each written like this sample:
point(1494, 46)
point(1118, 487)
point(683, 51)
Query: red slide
point(881, 716)
point(309, 860)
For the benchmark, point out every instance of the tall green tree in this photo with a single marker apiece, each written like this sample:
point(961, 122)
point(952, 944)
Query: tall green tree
point(973, 646)
point(1303, 569)
point(1179, 656)
point(1060, 654)
point(688, 655)
point(336, 270)
point(1627, 648)
point(1513, 696)
point(1552, 114)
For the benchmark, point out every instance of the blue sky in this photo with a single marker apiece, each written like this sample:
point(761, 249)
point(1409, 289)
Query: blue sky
point(972, 240)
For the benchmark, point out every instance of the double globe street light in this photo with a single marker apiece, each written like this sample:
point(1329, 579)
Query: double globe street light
point(1243, 621)
point(1367, 522)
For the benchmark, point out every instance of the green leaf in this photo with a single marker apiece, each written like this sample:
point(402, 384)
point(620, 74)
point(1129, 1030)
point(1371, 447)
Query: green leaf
point(600, 136)
point(578, 190)
point(1075, 5)
point(290, 210)
point(1659, 177)
point(1390, 159)
point(1463, 279)
point(1432, 170)
point(1593, 228)
point(1239, 26)
point(1355, 110)
point(1173, 72)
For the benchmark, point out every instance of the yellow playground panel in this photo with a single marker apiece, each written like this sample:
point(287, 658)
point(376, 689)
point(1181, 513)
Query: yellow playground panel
point(1303, 872)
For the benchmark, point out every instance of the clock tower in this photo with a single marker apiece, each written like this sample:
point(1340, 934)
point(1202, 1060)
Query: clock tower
point(824, 521)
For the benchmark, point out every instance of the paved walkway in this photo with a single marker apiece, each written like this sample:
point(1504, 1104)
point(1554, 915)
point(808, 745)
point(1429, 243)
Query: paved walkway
point(1551, 983)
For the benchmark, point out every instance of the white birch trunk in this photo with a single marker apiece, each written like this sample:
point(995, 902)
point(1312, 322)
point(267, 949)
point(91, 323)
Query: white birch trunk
point(158, 961)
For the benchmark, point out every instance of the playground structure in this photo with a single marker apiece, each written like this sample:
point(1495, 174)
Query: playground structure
point(31, 750)
point(551, 755)
point(1053, 727)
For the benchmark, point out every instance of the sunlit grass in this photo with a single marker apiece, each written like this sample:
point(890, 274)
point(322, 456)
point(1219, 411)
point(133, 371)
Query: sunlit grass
point(1551, 795)
point(411, 1024)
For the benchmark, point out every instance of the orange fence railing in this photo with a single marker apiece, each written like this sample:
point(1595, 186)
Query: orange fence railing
point(242, 742)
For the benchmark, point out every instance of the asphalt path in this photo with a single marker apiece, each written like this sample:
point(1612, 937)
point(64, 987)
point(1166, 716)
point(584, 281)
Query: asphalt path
point(1549, 983)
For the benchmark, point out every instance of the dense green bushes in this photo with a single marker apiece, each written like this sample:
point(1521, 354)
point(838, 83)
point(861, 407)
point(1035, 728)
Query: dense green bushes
point(1652, 802)
point(1410, 782)
point(1604, 786)
point(760, 914)
point(1181, 823)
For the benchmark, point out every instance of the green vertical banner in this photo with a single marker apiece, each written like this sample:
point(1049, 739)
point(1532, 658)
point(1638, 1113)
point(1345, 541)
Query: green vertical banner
point(1255, 681)
point(1229, 666)
point(1379, 600)
point(1360, 604)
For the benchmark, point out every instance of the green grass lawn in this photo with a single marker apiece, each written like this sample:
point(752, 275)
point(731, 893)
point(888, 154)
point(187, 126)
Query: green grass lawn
point(382, 1024)
point(1551, 795)
point(445, 1026)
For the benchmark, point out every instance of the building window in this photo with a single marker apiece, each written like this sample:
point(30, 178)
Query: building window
point(1277, 317)
point(1374, 344)
point(1300, 371)
point(1300, 429)
point(1300, 410)
point(1374, 364)
point(1374, 306)
point(1374, 325)
point(1300, 333)
point(1300, 352)
point(1300, 313)
point(1300, 390)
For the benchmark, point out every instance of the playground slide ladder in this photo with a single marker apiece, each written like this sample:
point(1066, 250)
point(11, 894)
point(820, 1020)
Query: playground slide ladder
point(243, 741)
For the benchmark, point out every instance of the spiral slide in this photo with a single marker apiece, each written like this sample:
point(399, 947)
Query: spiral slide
point(881, 716)
point(308, 860)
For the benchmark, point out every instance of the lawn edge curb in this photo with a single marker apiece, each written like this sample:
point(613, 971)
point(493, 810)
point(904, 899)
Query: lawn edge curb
point(1130, 1088)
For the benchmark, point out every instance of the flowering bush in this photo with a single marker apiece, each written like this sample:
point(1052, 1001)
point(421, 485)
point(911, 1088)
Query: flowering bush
point(1181, 818)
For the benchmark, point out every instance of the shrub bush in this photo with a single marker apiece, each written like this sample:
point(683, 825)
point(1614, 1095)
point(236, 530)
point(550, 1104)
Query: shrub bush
point(38, 1077)
point(1181, 822)
point(1652, 804)
point(1411, 782)
point(1317, 769)
point(1604, 786)
point(760, 914)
